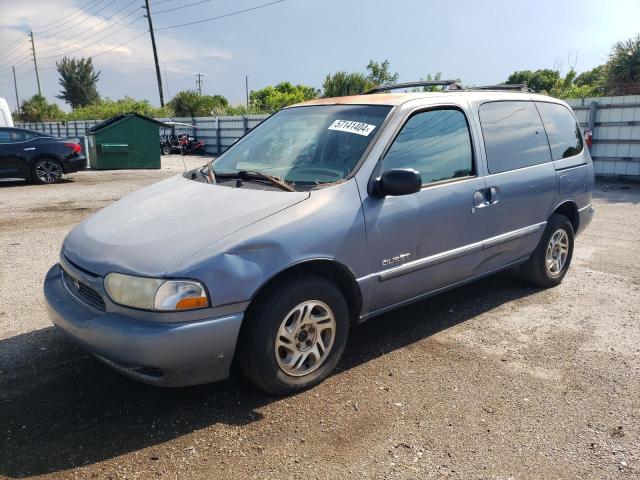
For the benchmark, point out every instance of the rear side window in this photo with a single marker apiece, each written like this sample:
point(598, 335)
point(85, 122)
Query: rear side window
point(562, 129)
point(11, 136)
point(436, 143)
point(513, 136)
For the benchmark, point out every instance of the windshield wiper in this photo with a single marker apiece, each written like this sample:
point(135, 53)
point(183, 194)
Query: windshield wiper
point(253, 174)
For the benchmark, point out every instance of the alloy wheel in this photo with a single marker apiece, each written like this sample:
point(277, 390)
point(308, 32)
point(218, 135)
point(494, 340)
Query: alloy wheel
point(48, 171)
point(305, 338)
point(557, 252)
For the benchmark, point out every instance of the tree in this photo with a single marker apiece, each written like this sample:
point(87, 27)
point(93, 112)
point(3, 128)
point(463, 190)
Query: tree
point(379, 73)
point(78, 80)
point(567, 87)
point(272, 99)
point(540, 80)
point(430, 78)
point(37, 109)
point(190, 103)
point(595, 76)
point(341, 84)
point(623, 67)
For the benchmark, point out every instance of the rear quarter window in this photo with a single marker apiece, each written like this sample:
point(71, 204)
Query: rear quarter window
point(513, 135)
point(562, 130)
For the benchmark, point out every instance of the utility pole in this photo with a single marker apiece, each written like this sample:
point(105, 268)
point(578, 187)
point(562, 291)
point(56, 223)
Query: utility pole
point(155, 53)
point(199, 82)
point(15, 85)
point(246, 88)
point(35, 63)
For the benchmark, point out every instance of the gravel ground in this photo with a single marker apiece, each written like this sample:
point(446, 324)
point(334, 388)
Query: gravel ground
point(492, 380)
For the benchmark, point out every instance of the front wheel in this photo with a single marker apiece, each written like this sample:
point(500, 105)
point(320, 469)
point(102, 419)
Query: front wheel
point(47, 171)
point(550, 261)
point(295, 334)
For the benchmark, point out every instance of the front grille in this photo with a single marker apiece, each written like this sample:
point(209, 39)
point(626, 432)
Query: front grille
point(83, 293)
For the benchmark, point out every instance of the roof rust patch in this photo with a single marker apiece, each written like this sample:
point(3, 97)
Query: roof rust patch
point(373, 99)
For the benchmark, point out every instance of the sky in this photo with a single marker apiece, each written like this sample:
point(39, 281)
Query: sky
point(301, 41)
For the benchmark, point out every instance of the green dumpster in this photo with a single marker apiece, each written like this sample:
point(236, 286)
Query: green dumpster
point(128, 140)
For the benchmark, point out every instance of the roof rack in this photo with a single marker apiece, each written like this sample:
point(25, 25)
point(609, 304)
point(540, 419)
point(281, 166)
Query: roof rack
point(449, 84)
point(515, 87)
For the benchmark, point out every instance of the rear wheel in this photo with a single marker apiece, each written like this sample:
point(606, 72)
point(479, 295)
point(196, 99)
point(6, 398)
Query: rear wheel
point(166, 150)
point(550, 261)
point(295, 334)
point(47, 170)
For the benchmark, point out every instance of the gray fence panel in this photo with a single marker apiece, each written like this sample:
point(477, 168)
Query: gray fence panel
point(616, 134)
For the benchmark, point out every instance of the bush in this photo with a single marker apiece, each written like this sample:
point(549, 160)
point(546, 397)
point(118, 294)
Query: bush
point(107, 108)
point(37, 109)
point(190, 103)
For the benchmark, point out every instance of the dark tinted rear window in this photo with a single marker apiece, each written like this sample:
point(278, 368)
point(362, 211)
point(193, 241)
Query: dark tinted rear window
point(513, 136)
point(562, 129)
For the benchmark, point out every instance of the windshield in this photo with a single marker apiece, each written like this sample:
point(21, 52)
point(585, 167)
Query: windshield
point(306, 145)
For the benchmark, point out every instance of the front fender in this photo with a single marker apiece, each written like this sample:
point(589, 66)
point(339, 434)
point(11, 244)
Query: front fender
point(328, 226)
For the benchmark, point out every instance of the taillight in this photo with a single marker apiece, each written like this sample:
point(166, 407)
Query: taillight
point(75, 147)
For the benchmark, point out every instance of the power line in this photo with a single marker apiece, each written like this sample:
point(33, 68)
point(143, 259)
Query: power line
point(93, 27)
point(19, 76)
point(70, 15)
point(181, 7)
point(108, 27)
point(238, 12)
point(121, 45)
point(108, 50)
point(8, 47)
point(64, 53)
point(19, 52)
point(86, 12)
point(93, 43)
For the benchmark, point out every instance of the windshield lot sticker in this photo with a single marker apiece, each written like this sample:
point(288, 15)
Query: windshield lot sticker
point(358, 128)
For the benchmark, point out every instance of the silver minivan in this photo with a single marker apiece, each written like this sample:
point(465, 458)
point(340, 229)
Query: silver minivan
point(326, 214)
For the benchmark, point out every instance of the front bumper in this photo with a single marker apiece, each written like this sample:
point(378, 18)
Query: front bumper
point(167, 354)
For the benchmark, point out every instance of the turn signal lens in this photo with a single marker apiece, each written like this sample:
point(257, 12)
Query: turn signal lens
point(191, 302)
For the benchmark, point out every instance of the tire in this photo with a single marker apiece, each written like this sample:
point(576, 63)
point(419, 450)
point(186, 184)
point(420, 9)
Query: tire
point(46, 171)
point(272, 341)
point(166, 151)
point(547, 266)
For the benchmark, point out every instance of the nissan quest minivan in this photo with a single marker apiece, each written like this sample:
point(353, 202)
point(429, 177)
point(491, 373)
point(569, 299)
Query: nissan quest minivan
point(327, 214)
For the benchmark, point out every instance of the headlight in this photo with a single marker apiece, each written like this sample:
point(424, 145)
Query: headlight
point(155, 293)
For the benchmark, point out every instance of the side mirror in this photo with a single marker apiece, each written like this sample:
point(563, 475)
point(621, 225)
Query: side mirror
point(397, 182)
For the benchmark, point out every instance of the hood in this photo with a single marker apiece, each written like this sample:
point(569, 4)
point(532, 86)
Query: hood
point(149, 231)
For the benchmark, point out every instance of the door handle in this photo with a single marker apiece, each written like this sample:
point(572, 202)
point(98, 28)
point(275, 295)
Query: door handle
point(485, 197)
point(481, 198)
point(29, 149)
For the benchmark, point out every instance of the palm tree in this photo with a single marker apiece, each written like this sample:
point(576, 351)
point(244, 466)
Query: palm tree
point(623, 68)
